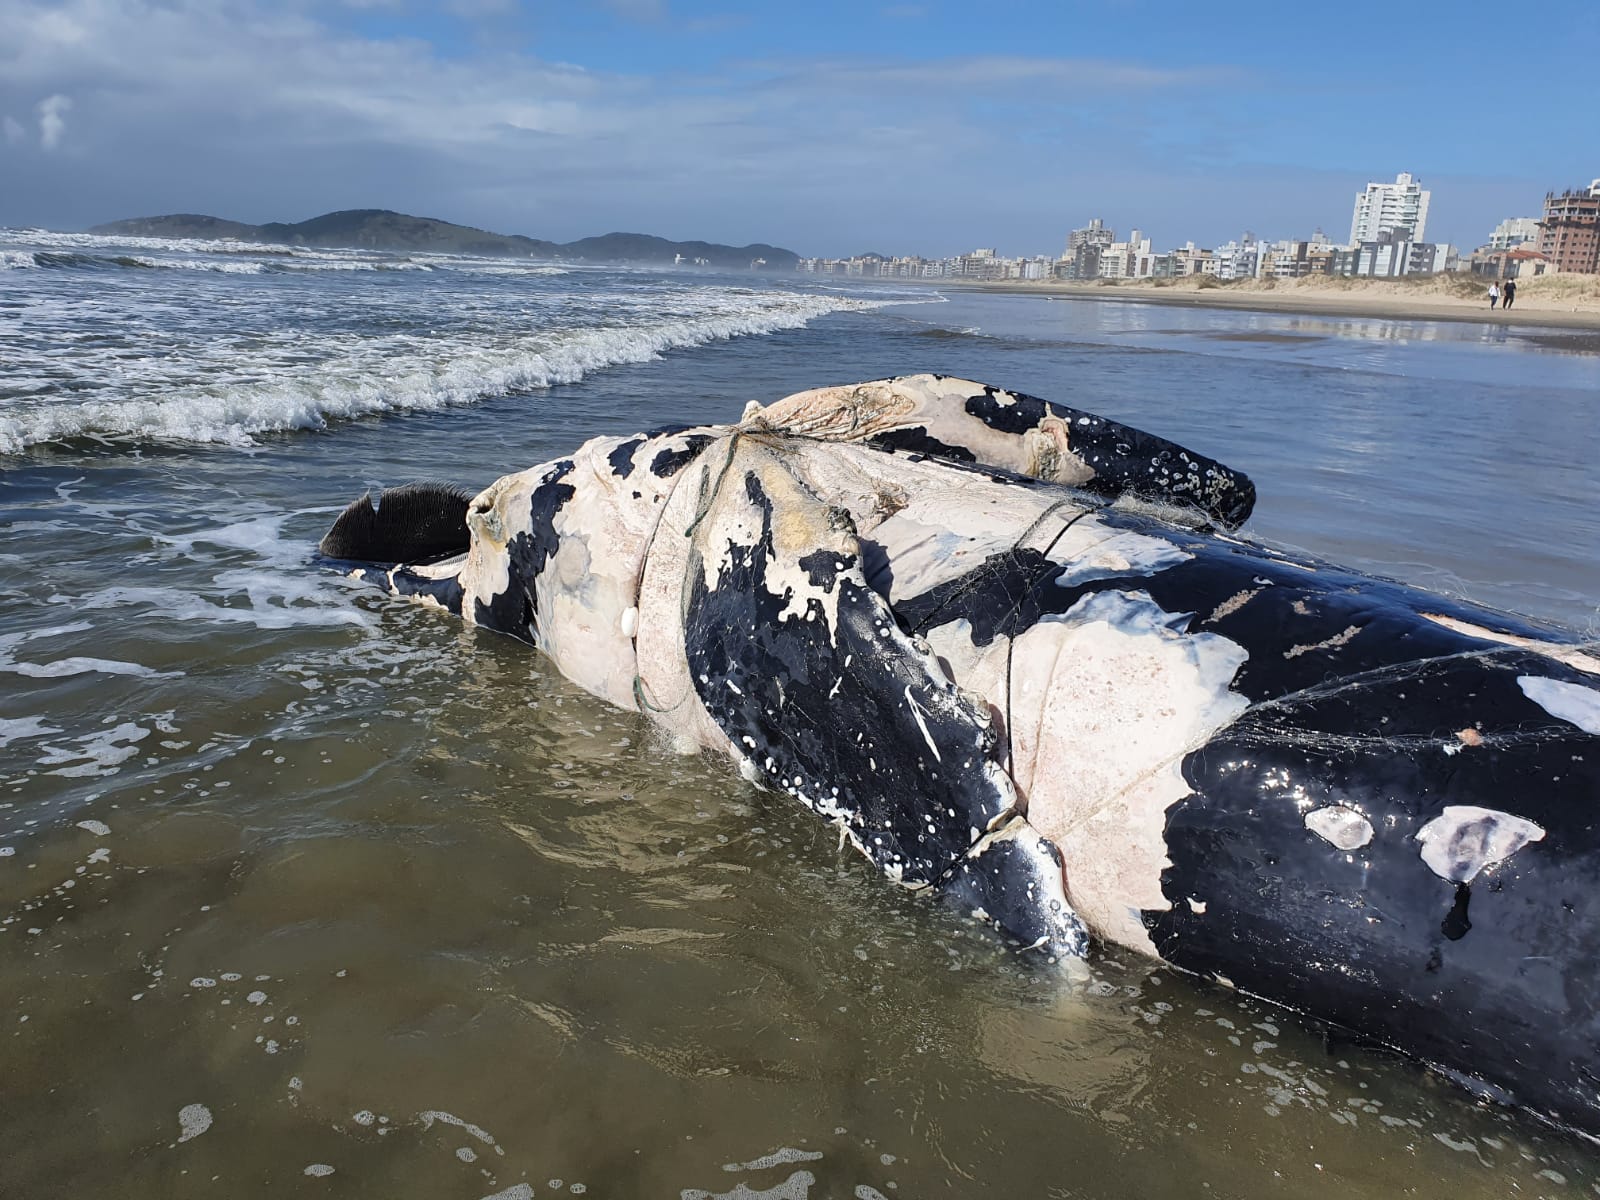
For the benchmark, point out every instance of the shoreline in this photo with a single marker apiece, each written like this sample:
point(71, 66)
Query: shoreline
point(1383, 307)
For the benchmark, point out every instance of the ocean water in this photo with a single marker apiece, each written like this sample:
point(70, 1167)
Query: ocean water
point(303, 888)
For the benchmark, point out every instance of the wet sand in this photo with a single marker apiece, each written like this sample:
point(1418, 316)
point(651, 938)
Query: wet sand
point(305, 891)
point(1316, 303)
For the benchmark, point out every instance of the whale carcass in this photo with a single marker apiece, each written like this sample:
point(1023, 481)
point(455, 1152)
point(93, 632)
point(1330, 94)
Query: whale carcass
point(1013, 651)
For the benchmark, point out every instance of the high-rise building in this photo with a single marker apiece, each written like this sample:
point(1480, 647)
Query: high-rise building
point(1239, 260)
point(1390, 255)
point(1094, 233)
point(1569, 234)
point(1390, 208)
point(1081, 258)
point(1126, 260)
point(1514, 231)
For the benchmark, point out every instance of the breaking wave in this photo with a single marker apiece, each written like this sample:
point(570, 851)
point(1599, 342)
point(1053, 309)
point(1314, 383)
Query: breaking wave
point(87, 251)
point(294, 262)
point(400, 375)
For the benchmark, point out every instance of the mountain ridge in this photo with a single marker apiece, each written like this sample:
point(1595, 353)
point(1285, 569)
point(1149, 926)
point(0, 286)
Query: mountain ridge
point(384, 229)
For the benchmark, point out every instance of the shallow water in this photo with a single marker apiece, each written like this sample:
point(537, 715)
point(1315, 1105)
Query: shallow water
point(303, 888)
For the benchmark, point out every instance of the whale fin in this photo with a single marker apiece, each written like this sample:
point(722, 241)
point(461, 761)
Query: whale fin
point(825, 697)
point(413, 523)
point(987, 427)
point(1013, 880)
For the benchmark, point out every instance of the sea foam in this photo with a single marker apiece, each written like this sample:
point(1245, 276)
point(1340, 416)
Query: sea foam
point(395, 375)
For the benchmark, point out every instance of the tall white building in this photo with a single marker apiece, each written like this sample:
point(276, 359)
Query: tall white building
point(1514, 231)
point(1238, 260)
point(1388, 208)
point(1127, 260)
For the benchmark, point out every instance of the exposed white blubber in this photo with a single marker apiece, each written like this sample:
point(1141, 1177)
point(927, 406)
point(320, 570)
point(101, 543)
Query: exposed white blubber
point(1465, 839)
point(1569, 701)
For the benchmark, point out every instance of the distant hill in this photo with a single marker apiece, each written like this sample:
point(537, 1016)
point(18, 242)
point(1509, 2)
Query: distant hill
point(643, 248)
point(380, 229)
point(356, 228)
point(179, 225)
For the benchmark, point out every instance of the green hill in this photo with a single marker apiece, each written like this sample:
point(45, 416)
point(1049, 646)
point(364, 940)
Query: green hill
point(180, 225)
point(643, 248)
point(380, 229)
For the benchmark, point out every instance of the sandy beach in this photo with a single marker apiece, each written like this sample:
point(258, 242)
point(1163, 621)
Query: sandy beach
point(1563, 302)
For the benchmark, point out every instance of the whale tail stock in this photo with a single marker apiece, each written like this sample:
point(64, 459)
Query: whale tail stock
point(413, 523)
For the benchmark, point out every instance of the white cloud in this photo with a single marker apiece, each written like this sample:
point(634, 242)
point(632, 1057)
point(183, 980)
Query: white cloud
point(264, 110)
point(52, 119)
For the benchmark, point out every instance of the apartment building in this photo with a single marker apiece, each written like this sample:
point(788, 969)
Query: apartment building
point(1398, 208)
point(1389, 256)
point(1515, 231)
point(1569, 233)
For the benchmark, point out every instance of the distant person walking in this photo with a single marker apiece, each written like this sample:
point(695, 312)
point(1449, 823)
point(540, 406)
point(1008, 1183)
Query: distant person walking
point(1508, 295)
point(1494, 294)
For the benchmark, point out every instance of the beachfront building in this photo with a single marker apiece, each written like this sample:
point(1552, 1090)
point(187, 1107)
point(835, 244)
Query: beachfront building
point(1188, 260)
point(1519, 262)
point(1127, 260)
point(1295, 259)
point(1569, 233)
point(1094, 233)
point(985, 264)
point(982, 263)
point(873, 266)
point(1392, 208)
point(1388, 257)
point(1515, 231)
point(1081, 258)
point(1238, 260)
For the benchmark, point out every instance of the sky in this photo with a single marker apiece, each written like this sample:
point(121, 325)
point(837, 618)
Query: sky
point(830, 128)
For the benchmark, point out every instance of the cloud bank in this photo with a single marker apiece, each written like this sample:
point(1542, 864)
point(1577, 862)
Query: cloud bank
point(260, 111)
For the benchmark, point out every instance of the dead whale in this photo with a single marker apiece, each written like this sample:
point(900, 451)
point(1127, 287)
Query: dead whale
point(1014, 653)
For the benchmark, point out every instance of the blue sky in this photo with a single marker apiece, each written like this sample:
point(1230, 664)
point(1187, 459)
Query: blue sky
point(830, 128)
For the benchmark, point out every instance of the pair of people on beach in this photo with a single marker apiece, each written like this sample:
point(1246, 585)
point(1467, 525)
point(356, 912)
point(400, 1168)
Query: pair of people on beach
point(1508, 293)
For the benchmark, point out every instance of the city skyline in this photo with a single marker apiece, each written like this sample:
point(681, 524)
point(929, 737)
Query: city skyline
point(839, 128)
point(1388, 236)
point(1387, 239)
